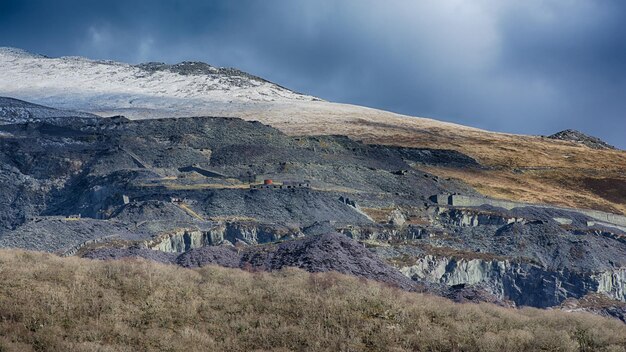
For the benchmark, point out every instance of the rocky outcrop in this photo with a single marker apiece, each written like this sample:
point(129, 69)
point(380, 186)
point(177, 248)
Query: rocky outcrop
point(184, 239)
point(181, 240)
point(396, 218)
point(526, 284)
point(612, 283)
point(387, 232)
point(584, 139)
point(465, 218)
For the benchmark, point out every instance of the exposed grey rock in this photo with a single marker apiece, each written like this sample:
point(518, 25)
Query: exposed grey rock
point(523, 283)
point(396, 218)
point(183, 185)
point(18, 111)
point(151, 210)
point(61, 235)
point(328, 252)
point(463, 293)
point(579, 137)
point(232, 76)
point(221, 255)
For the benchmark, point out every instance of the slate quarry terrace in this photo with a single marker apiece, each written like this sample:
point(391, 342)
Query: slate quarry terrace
point(122, 175)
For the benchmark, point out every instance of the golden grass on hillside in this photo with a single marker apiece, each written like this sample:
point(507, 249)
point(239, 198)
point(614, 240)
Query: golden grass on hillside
point(526, 168)
point(555, 171)
point(70, 304)
point(556, 187)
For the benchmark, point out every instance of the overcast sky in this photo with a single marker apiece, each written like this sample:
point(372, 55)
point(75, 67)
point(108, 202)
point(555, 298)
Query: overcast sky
point(533, 67)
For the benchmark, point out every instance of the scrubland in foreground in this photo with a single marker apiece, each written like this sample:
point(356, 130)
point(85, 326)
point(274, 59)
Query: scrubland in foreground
point(71, 304)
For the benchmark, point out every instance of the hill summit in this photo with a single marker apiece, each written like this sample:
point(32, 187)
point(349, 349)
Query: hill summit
point(579, 137)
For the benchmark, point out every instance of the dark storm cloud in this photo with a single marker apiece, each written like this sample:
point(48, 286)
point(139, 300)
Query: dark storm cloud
point(524, 66)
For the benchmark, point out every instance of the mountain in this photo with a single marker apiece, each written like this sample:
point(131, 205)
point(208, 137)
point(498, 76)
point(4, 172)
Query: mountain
point(284, 179)
point(144, 90)
point(528, 168)
point(172, 186)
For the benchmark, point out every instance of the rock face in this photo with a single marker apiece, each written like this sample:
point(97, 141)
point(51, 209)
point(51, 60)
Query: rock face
point(531, 256)
point(612, 283)
point(218, 233)
point(22, 197)
point(579, 137)
point(523, 283)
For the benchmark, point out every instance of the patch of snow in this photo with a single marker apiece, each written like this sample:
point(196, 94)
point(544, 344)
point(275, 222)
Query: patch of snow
point(112, 83)
point(156, 90)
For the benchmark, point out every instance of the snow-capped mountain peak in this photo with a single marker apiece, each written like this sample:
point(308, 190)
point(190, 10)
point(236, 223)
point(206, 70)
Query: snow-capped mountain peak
point(159, 90)
point(94, 85)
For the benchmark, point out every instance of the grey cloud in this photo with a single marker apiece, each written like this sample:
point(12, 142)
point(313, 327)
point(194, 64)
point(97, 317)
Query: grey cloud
point(523, 67)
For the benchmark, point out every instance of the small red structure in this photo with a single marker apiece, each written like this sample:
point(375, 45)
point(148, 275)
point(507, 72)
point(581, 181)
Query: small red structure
point(267, 182)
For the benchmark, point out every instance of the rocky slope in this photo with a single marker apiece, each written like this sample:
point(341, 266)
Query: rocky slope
point(185, 190)
point(579, 137)
point(527, 168)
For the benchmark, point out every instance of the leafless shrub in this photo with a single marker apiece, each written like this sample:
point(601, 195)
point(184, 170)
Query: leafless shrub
point(69, 304)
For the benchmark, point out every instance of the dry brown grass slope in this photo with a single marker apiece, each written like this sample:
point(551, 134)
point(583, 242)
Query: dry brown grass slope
point(49, 303)
point(526, 168)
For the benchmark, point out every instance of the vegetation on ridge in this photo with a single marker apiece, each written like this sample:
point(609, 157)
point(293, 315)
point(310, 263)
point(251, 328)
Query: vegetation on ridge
point(517, 167)
point(60, 304)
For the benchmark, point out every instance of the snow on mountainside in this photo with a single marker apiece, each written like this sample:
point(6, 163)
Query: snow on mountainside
point(154, 90)
point(518, 168)
point(157, 90)
point(84, 84)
